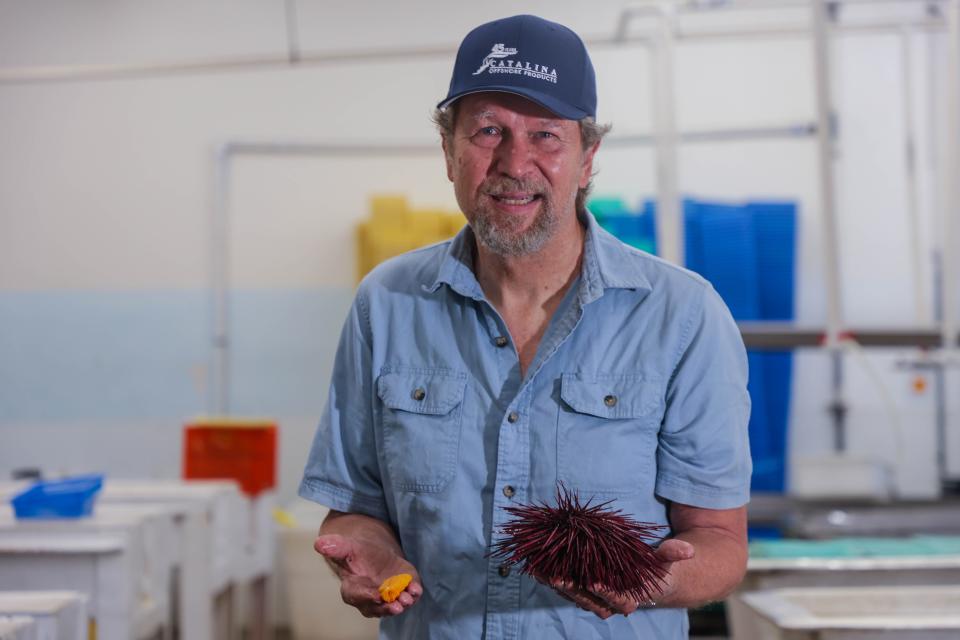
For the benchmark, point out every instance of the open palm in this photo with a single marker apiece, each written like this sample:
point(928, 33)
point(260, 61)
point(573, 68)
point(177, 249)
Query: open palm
point(362, 566)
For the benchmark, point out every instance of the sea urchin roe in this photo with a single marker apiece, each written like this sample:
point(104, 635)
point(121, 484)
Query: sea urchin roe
point(393, 586)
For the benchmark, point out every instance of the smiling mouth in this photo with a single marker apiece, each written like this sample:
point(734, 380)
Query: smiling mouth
point(515, 200)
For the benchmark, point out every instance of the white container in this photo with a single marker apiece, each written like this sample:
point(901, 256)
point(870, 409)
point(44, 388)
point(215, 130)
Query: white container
point(221, 501)
point(209, 516)
point(312, 591)
point(105, 560)
point(840, 477)
point(18, 628)
point(775, 573)
point(860, 613)
point(59, 615)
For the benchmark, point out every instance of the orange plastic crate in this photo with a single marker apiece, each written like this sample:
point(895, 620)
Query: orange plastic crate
point(232, 449)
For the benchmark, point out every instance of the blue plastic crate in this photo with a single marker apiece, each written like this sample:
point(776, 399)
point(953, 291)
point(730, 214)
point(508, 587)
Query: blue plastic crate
point(65, 498)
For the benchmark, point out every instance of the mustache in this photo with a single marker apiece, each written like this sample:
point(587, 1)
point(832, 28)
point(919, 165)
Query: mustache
point(503, 185)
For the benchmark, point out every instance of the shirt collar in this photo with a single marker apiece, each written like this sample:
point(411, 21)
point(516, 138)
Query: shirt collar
point(607, 264)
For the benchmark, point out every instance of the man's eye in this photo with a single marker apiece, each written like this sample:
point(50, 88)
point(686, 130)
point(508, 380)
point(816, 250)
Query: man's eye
point(546, 135)
point(487, 137)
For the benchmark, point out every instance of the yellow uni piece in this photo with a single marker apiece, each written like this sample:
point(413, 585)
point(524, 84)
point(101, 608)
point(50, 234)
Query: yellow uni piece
point(393, 586)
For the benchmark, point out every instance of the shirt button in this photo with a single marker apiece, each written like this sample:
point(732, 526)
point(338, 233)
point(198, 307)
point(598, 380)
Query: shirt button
point(419, 394)
point(501, 341)
point(509, 491)
point(503, 570)
point(512, 417)
point(610, 401)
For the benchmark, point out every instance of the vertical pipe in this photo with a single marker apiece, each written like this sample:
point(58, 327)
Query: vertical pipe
point(922, 307)
point(825, 132)
point(218, 398)
point(293, 39)
point(950, 182)
point(825, 141)
point(669, 218)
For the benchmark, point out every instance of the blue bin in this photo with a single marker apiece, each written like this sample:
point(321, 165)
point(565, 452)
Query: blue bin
point(65, 498)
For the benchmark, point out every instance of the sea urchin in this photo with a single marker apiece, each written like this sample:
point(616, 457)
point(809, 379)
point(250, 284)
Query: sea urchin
point(584, 545)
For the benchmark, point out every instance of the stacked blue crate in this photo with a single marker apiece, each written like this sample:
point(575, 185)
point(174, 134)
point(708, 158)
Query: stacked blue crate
point(748, 252)
point(775, 229)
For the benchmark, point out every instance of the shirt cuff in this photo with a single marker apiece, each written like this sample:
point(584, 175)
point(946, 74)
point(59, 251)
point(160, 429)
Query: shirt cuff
point(701, 496)
point(340, 499)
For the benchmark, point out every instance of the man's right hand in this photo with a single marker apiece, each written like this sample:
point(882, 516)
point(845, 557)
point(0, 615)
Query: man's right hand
point(362, 566)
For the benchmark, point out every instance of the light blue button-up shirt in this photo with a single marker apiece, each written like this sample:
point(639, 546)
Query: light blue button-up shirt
point(637, 393)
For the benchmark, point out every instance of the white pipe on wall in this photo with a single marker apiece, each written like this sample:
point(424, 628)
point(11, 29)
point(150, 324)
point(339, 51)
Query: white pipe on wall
point(921, 304)
point(951, 185)
point(295, 57)
point(669, 220)
point(828, 215)
point(218, 402)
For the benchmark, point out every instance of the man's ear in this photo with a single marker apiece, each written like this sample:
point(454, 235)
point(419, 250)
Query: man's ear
point(447, 156)
point(587, 167)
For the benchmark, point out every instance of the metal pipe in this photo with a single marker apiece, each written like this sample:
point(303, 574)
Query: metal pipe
point(921, 306)
point(828, 218)
point(802, 130)
point(951, 185)
point(751, 5)
point(293, 34)
point(219, 396)
point(218, 402)
point(825, 143)
point(294, 148)
point(669, 220)
point(295, 57)
point(791, 31)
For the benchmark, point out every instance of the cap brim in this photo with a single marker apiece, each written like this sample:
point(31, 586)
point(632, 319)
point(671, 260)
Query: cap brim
point(546, 101)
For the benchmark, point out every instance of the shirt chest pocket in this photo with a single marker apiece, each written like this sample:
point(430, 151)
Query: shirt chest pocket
point(421, 416)
point(607, 432)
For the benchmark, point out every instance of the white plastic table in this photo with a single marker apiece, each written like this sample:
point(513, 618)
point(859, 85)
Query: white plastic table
point(223, 544)
point(211, 517)
point(120, 559)
point(18, 628)
point(59, 615)
point(857, 613)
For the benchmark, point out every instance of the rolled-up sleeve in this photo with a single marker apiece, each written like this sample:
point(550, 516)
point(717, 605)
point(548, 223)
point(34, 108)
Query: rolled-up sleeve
point(703, 458)
point(342, 471)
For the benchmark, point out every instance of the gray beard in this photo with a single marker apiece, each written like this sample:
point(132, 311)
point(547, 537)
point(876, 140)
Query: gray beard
point(503, 237)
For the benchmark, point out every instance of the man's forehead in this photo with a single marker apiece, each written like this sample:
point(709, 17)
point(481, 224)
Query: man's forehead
point(491, 105)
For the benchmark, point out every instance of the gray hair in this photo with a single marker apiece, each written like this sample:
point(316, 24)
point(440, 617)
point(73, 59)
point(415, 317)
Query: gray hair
point(591, 133)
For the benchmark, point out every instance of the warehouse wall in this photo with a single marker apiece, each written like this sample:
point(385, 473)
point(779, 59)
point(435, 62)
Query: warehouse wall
point(106, 187)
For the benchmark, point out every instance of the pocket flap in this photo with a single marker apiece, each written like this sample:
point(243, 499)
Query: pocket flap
point(423, 391)
point(610, 396)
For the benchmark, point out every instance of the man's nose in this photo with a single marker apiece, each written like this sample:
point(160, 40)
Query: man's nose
point(514, 156)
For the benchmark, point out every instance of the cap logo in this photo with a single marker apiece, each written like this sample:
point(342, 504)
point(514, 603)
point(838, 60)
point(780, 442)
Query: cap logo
point(496, 62)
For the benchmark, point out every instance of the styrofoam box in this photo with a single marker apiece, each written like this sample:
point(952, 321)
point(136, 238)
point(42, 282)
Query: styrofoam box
point(861, 613)
point(313, 592)
point(18, 628)
point(227, 514)
point(774, 573)
point(59, 615)
point(840, 477)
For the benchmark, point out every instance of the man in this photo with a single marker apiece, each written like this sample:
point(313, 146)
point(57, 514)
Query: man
point(533, 349)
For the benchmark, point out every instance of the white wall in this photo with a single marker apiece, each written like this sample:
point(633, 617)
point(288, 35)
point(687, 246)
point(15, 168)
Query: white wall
point(106, 187)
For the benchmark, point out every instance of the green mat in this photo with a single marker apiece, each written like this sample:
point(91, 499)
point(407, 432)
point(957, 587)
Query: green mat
point(857, 547)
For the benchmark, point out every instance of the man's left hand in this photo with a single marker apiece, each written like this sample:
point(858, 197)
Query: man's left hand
point(605, 603)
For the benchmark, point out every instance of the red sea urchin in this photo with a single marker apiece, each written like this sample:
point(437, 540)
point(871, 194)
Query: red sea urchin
point(583, 544)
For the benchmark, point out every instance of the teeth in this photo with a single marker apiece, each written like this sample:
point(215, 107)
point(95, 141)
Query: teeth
point(518, 201)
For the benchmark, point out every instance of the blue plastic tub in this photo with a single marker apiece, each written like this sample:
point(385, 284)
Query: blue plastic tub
point(65, 498)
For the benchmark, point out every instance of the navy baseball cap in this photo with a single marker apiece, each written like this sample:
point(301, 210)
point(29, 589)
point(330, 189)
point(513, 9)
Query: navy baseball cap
point(540, 60)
